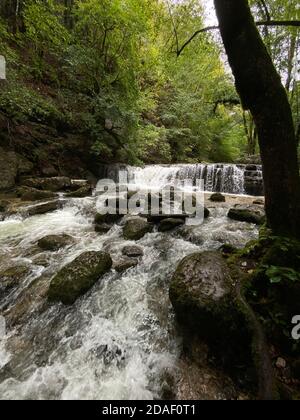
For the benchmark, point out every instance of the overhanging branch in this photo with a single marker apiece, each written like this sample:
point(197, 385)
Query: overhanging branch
point(291, 23)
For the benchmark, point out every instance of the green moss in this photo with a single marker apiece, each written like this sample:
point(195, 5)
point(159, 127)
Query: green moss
point(78, 277)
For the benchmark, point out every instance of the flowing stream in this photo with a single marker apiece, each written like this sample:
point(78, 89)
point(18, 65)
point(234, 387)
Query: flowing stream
point(119, 341)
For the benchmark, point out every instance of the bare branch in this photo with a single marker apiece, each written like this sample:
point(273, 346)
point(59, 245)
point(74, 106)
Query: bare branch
point(292, 23)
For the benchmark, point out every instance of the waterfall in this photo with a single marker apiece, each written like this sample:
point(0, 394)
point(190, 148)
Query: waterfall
point(225, 178)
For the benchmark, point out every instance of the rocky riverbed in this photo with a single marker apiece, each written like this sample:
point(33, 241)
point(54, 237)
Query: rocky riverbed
point(87, 310)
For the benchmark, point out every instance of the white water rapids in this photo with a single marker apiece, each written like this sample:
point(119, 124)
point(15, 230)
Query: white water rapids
point(119, 341)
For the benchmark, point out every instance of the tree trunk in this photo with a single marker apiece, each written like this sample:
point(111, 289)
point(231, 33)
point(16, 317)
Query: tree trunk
point(262, 92)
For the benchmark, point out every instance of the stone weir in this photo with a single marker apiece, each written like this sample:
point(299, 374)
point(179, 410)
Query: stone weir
point(217, 177)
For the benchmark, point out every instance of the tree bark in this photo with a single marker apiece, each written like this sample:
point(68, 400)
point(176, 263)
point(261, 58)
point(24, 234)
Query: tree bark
point(262, 92)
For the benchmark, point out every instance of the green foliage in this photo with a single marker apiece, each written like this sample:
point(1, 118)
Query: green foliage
point(108, 69)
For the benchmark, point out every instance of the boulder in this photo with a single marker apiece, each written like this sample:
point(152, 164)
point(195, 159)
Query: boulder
point(158, 218)
point(203, 295)
point(125, 264)
point(76, 278)
point(43, 208)
point(54, 242)
point(32, 194)
point(249, 214)
point(80, 193)
point(54, 184)
point(136, 229)
point(8, 169)
point(132, 251)
point(106, 218)
point(169, 224)
point(218, 198)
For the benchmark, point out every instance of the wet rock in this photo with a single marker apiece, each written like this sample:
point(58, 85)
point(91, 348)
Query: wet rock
point(169, 224)
point(76, 278)
point(158, 218)
point(32, 194)
point(48, 184)
point(106, 218)
point(3, 205)
point(44, 208)
point(132, 251)
point(136, 229)
point(12, 277)
point(103, 228)
point(8, 169)
point(30, 302)
point(80, 193)
point(204, 298)
point(55, 242)
point(249, 214)
point(218, 198)
point(125, 264)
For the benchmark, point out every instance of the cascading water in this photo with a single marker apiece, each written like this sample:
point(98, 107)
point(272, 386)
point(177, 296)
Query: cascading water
point(119, 341)
point(223, 178)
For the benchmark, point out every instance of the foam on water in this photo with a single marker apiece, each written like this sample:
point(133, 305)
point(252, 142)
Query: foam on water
point(119, 340)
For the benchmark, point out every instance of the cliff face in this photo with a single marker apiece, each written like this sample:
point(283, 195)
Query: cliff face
point(39, 150)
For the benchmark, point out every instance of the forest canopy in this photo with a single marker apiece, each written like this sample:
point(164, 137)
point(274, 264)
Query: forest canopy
point(110, 70)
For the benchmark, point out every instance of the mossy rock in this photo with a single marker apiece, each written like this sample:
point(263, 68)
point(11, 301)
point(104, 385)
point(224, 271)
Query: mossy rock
point(203, 295)
point(75, 279)
point(136, 229)
point(101, 219)
point(218, 198)
point(55, 242)
point(169, 224)
point(249, 214)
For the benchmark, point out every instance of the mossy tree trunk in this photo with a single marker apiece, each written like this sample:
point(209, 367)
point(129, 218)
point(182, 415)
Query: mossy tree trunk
point(262, 92)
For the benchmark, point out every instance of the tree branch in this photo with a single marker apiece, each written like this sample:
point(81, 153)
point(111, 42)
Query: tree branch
point(292, 23)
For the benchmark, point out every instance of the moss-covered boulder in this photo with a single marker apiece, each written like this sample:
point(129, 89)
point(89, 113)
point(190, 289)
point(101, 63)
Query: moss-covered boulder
point(106, 218)
point(203, 294)
point(249, 214)
point(55, 242)
point(169, 224)
point(218, 198)
point(76, 278)
point(136, 229)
